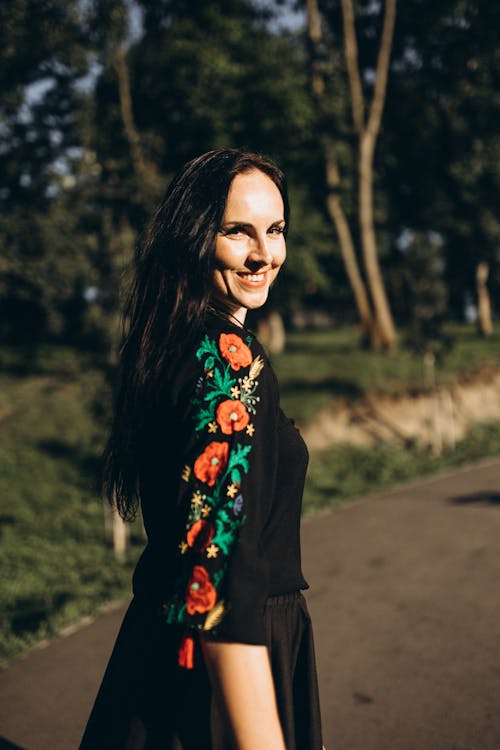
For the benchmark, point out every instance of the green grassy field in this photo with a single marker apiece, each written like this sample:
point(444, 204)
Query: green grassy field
point(56, 562)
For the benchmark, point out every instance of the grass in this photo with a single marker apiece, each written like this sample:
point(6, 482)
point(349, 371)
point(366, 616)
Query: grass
point(56, 562)
point(320, 366)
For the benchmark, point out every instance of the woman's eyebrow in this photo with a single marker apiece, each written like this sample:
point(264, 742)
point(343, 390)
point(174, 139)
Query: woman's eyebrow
point(248, 223)
point(237, 224)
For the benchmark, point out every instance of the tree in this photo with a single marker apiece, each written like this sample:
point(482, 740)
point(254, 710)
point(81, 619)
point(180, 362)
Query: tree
point(441, 144)
point(43, 58)
point(373, 307)
point(204, 76)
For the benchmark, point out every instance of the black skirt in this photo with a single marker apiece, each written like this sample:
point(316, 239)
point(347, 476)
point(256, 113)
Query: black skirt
point(147, 702)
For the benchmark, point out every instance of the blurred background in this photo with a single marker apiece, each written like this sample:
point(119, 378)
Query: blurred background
point(382, 325)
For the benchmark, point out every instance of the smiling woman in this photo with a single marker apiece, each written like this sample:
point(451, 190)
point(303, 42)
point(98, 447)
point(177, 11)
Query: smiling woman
point(250, 247)
point(216, 649)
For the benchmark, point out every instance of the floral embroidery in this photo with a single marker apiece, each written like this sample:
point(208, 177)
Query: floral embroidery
point(186, 653)
point(211, 463)
point(238, 505)
point(232, 490)
point(232, 416)
point(201, 595)
point(223, 401)
point(235, 351)
point(200, 534)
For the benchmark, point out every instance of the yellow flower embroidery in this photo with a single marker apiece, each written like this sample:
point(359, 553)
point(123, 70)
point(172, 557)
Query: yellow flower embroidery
point(186, 473)
point(232, 490)
point(212, 426)
point(183, 546)
point(235, 392)
point(246, 384)
point(250, 429)
point(197, 499)
point(206, 510)
point(210, 374)
point(212, 550)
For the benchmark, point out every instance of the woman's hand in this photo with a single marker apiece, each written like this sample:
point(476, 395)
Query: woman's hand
point(244, 688)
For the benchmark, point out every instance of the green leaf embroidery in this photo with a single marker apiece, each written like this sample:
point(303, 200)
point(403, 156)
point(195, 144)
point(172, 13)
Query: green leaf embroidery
point(207, 346)
point(215, 393)
point(235, 476)
point(238, 457)
point(223, 380)
point(204, 417)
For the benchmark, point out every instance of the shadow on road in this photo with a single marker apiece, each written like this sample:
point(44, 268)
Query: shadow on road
point(6, 745)
point(479, 498)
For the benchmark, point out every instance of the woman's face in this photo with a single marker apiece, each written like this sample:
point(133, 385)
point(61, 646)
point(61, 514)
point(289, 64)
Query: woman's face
point(250, 247)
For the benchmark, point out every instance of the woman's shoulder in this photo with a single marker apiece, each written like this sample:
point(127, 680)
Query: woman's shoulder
point(224, 352)
point(232, 337)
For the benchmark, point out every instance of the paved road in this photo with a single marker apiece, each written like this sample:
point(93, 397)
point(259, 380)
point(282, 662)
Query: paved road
point(405, 599)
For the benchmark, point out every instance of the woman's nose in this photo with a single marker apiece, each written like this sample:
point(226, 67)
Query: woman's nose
point(260, 249)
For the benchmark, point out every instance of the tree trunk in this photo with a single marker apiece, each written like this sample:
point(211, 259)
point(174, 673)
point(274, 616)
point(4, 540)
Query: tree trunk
point(332, 176)
point(272, 332)
point(386, 332)
point(146, 173)
point(484, 322)
point(350, 261)
point(131, 133)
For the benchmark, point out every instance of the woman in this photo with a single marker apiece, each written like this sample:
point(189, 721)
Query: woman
point(216, 647)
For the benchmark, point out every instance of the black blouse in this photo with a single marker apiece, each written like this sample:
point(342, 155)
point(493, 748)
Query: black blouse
point(221, 491)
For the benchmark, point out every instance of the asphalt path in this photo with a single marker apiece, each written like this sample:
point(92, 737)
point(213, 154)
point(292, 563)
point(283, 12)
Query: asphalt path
point(405, 600)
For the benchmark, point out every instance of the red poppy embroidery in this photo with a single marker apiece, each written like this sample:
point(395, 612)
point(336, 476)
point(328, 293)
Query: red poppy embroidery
point(201, 595)
point(234, 350)
point(232, 416)
point(211, 463)
point(186, 653)
point(200, 534)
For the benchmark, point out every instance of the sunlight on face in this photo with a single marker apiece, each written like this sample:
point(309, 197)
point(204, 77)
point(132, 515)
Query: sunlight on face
point(250, 247)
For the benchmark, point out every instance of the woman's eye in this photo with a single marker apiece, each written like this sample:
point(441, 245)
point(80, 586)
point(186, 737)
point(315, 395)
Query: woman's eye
point(276, 230)
point(233, 231)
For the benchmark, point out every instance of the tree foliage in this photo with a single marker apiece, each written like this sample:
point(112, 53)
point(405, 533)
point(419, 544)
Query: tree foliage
point(101, 102)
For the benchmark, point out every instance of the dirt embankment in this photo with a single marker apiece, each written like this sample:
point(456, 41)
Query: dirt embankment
point(430, 419)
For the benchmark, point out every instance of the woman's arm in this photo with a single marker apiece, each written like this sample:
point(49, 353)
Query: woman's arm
point(243, 685)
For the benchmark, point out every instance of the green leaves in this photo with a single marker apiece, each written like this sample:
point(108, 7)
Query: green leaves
point(238, 457)
point(208, 346)
point(204, 417)
point(223, 380)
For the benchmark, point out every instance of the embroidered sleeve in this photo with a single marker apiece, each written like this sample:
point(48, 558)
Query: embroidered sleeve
point(222, 495)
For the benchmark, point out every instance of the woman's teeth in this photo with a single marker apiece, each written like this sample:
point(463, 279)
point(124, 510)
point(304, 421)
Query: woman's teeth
point(252, 276)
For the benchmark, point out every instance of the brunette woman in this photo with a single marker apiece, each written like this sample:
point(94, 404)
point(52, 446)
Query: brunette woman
point(216, 649)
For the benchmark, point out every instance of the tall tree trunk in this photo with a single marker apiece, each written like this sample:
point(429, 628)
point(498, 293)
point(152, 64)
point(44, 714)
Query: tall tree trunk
point(484, 322)
point(151, 185)
point(347, 249)
point(386, 332)
point(127, 114)
point(367, 139)
point(332, 175)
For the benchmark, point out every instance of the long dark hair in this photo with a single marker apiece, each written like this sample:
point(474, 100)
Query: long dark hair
point(168, 301)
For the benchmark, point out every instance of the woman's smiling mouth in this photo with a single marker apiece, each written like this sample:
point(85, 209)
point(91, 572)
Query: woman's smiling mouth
point(254, 280)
